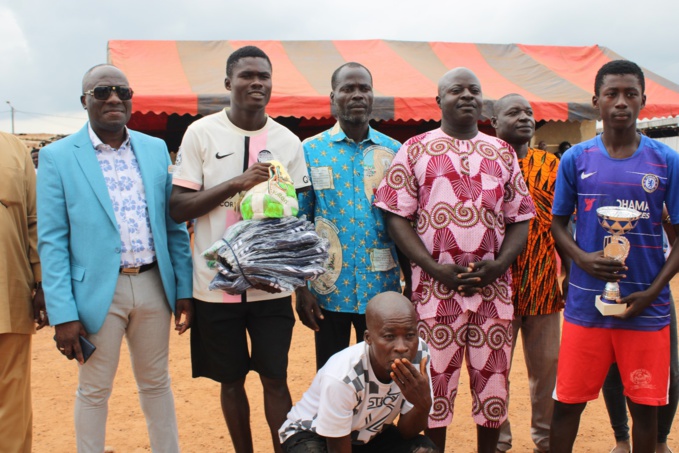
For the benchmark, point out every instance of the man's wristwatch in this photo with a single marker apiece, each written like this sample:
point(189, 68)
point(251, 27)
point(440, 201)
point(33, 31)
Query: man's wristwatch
point(38, 285)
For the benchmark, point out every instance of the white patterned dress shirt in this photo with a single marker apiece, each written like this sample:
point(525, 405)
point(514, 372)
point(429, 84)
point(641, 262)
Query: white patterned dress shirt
point(126, 189)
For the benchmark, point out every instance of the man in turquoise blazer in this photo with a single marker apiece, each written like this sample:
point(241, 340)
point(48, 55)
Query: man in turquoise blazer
point(114, 263)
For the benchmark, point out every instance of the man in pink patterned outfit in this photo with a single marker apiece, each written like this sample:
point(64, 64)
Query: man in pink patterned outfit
point(465, 192)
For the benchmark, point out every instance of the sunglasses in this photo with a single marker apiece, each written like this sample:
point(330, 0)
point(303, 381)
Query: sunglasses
point(102, 93)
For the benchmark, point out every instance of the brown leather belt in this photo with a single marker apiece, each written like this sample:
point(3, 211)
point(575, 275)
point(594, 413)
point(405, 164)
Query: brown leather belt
point(137, 270)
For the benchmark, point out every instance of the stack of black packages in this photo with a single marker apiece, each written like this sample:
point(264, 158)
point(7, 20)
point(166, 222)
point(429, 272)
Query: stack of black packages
point(280, 253)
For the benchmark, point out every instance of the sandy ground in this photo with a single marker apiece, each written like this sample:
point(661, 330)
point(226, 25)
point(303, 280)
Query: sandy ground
point(202, 427)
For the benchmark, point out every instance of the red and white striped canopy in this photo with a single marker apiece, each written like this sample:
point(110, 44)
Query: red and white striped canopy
point(187, 77)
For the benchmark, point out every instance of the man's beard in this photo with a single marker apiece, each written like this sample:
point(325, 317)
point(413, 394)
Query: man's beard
point(356, 119)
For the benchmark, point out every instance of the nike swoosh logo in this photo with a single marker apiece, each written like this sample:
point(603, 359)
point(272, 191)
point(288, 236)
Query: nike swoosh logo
point(222, 156)
point(584, 175)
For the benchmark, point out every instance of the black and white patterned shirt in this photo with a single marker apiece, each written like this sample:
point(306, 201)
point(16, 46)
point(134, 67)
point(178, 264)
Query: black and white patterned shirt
point(345, 397)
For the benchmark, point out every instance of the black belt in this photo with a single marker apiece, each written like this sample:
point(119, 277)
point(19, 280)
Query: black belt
point(137, 270)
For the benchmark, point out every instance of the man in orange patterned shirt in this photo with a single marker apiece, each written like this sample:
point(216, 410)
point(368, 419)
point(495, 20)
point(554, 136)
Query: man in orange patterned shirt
point(537, 299)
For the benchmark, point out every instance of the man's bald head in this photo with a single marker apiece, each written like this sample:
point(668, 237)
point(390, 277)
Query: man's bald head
point(513, 122)
point(461, 103)
point(389, 305)
point(391, 333)
point(501, 103)
point(110, 115)
point(89, 79)
point(454, 75)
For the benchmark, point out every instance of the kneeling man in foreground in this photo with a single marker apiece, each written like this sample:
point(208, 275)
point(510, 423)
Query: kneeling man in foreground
point(354, 399)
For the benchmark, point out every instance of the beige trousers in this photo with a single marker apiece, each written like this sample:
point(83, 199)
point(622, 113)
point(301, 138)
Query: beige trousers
point(541, 336)
point(16, 414)
point(141, 314)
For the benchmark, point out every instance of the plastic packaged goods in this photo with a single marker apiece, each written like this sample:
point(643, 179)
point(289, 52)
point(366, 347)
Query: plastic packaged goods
point(271, 199)
point(282, 253)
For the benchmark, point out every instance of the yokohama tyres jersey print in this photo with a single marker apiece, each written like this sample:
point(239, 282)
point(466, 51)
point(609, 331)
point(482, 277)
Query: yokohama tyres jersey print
point(461, 194)
point(588, 179)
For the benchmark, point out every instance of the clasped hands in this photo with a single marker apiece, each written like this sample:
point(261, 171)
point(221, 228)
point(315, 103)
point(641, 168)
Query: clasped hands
point(469, 280)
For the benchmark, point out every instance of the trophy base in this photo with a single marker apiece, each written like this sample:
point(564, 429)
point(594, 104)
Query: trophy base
point(608, 309)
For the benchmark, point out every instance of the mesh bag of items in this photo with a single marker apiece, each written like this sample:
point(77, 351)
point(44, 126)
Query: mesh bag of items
point(275, 198)
point(281, 253)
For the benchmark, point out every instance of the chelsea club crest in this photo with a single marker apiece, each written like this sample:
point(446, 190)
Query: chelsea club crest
point(650, 182)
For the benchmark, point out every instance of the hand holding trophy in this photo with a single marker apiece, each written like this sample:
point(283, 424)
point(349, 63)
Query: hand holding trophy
point(617, 221)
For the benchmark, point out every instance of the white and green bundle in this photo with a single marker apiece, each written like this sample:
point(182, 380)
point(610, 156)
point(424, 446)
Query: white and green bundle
point(271, 199)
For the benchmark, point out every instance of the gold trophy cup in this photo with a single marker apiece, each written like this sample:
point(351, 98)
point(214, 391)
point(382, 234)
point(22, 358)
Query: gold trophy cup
point(617, 221)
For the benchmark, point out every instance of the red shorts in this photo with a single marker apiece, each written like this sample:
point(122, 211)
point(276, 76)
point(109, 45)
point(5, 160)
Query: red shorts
point(587, 353)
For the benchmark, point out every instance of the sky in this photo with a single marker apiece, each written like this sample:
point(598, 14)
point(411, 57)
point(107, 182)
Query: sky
point(46, 46)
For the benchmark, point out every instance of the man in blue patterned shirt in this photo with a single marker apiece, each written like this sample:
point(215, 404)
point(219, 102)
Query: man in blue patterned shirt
point(346, 164)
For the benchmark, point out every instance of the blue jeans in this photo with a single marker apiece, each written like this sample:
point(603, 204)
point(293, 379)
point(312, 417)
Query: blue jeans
point(616, 403)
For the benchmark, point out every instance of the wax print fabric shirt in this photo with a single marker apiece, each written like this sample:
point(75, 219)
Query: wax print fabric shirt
point(344, 176)
point(461, 194)
point(589, 179)
point(534, 273)
point(345, 398)
point(126, 190)
point(19, 262)
point(213, 151)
